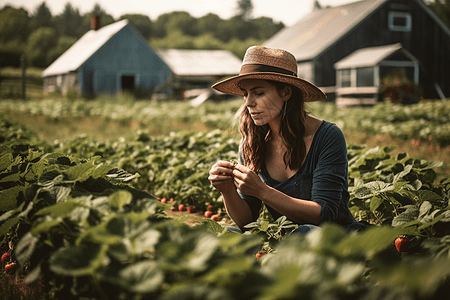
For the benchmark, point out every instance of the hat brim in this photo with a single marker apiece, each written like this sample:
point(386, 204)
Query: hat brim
point(310, 92)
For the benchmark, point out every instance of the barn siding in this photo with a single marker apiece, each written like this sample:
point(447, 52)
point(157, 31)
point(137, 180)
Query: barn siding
point(124, 54)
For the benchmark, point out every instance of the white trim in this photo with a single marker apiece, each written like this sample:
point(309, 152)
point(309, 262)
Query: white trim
point(397, 63)
point(397, 14)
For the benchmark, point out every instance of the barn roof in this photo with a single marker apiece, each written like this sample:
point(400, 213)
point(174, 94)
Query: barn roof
point(369, 57)
point(83, 49)
point(318, 30)
point(200, 62)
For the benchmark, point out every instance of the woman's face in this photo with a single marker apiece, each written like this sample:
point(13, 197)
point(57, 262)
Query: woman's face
point(263, 101)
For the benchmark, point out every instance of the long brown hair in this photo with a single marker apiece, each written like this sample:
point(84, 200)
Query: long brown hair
point(292, 131)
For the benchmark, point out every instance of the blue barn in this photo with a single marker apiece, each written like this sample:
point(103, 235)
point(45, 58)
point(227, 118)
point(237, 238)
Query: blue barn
point(107, 60)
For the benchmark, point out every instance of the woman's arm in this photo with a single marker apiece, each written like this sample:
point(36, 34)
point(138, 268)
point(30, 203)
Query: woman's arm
point(221, 177)
point(298, 210)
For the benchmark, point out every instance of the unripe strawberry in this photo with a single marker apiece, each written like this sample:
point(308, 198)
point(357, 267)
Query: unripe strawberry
point(402, 243)
point(173, 208)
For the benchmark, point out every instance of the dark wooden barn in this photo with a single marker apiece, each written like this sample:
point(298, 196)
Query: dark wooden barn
point(327, 36)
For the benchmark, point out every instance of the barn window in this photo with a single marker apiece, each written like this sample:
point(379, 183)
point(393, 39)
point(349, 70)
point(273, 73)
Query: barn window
point(346, 77)
point(400, 21)
point(364, 77)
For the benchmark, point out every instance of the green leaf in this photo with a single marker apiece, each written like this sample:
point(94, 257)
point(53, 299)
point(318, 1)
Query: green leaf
point(5, 161)
point(78, 260)
point(25, 247)
point(206, 246)
point(120, 198)
point(369, 242)
point(62, 209)
point(425, 208)
point(9, 197)
point(142, 277)
point(410, 214)
point(45, 227)
point(375, 202)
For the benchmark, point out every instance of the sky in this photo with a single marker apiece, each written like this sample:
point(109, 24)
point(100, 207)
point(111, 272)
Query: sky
point(286, 11)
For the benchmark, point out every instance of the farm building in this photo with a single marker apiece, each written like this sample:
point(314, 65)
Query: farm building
point(349, 51)
point(117, 58)
point(110, 59)
point(193, 71)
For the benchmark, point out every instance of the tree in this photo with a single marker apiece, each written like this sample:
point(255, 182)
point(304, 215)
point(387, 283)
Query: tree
point(14, 32)
point(14, 24)
point(40, 42)
point(63, 43)
point(142, 23)
point(42, 17)
point(97, 10)
point(245, 9)
point(69, 22)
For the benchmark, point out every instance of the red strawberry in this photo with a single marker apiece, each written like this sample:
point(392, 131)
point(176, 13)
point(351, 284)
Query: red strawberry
point(208, 214)
point(191, 209)
point(402, 243)
point(5, 258)
point(164, 200)
point(171, 200)
point(260, 254)
point(210, 207)
point(181, 207)
point(9, 268)
point(215, 218)
point(159, 199)
point(173, 208)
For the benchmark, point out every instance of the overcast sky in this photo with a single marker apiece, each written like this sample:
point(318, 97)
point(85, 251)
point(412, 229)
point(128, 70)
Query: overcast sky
point(286, 11)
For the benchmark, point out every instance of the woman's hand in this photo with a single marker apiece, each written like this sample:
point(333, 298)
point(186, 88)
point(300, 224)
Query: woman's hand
point(221, 176)
point(247, 181)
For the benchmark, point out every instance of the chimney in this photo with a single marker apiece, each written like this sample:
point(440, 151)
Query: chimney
point(95, 22)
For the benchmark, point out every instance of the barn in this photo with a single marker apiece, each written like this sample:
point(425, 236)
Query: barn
point(108, 60)
point(350, 50)
point(194, 71)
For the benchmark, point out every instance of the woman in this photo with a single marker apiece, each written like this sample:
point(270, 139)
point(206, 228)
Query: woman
point(292, 162)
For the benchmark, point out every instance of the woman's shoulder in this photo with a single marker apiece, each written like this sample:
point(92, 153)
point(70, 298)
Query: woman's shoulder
point(328, 128)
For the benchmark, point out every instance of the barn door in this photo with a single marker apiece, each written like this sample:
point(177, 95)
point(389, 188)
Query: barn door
point(127, 83)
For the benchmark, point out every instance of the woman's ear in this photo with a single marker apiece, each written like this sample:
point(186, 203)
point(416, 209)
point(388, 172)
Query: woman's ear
point(286, 92)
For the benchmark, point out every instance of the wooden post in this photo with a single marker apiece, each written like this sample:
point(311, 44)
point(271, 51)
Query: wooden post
point(23, 64)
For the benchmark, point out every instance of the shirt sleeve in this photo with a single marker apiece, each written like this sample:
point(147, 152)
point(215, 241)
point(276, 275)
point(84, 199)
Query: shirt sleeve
point(330, 183)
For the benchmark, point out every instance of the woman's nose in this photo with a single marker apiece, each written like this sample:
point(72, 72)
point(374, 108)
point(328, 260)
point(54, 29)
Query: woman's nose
point(249, 101)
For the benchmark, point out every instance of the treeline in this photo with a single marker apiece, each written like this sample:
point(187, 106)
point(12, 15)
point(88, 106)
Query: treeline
point(43, 37)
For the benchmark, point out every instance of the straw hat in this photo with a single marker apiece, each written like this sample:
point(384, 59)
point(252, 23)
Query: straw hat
point(269, 64)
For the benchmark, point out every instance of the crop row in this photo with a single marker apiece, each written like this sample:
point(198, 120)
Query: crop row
point(424, 121)
point(81, 220)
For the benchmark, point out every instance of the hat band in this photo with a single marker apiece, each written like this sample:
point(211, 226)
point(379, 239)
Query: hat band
point(256, 68)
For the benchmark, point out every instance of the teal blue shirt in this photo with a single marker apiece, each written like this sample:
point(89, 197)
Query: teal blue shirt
point(323, 178)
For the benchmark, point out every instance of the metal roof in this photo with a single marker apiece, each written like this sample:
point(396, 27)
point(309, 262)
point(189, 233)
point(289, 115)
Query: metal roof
point(319, 30)
point(200, 62)
point(83, 49)
point(369, 57)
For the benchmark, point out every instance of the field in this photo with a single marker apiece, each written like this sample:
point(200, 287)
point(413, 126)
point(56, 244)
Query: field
point(95, 198)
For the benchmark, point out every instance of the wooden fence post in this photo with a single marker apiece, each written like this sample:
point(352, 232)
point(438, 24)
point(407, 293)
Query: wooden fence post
point(23, 64)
